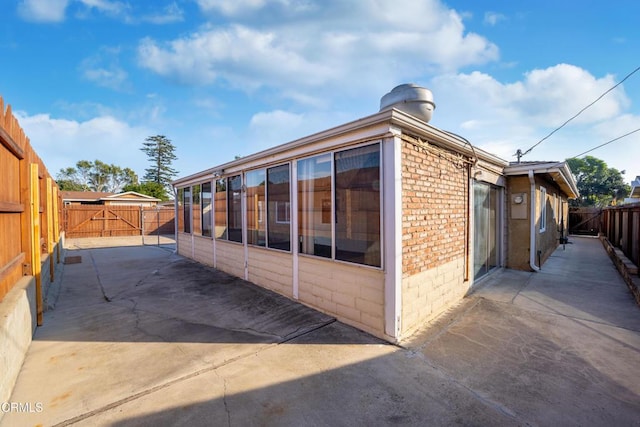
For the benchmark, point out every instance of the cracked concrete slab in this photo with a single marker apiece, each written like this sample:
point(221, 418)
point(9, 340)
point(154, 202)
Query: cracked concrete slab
point(304, 383)
point(140, 336)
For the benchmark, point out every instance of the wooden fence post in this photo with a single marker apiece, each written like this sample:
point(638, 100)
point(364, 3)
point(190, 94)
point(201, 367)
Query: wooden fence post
point(49, 215)
point(36, 267)
point(56, 223)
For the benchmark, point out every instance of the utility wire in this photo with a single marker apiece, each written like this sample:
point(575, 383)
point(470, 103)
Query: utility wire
point(599, 146)
point(520, 154)
point(608, 142)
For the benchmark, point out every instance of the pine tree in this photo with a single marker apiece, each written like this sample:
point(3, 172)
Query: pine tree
point(159, 150)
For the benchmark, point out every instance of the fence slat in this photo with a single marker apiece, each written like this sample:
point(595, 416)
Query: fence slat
point(623, 229)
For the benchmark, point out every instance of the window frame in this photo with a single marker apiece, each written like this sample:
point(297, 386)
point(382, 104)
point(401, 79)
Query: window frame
point(218, 183)
point(232, 203)
point(543, 209)
point(206, 231)
point(196, 209)
point(259, 220)
point(186, 204)
point(288, 208)
point(332, 220)
point(264, 216)
point(323, 201)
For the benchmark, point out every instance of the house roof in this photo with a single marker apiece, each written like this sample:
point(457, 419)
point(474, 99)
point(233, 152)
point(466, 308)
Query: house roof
point(95, 196)
point(131, 195)
point(84, 196)
point(635, 188)
point(376, 126)
point(558, 171)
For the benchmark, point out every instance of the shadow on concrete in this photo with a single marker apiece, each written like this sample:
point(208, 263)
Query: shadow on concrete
point(147, 294)
point(579, 281)
point(490, 368)
point(141, 336)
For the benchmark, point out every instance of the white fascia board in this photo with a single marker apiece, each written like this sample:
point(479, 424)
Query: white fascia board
point(379, 125)
point(555, 169)
point(367, 128)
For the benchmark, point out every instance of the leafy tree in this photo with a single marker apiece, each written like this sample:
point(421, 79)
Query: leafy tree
point(160, 152)
point(69, 185)
point(599, 185)
point(149, 188)
point(95, 176)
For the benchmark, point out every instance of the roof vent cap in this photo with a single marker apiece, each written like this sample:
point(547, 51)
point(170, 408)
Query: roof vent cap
point(411, 99)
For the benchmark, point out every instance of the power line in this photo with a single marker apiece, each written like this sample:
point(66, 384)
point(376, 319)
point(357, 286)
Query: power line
point(520, 153)
point(608, 142)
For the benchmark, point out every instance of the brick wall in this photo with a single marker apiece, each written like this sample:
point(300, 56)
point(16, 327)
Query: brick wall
point(434, 220)
point(434, 209)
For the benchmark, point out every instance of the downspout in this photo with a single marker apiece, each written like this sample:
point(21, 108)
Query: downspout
point(532, 231)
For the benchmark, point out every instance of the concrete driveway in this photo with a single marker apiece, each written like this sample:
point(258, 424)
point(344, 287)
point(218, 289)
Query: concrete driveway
point(140, 336)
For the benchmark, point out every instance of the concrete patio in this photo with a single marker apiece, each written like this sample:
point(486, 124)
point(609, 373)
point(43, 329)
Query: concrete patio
point(141, 336)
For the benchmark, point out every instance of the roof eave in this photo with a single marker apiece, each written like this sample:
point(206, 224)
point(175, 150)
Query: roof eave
point(395, 118)
point(559, 171)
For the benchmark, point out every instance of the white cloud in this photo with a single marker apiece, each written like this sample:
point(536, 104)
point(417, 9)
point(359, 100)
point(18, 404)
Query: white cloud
point(109, 7)
point(171, 13)
point(230, 7)
point(61, 143)
point(54, 10)
point(492, 18)
point(345, 47)
point(104, 70)
point(112, 78)
point(271, 128)
point(502, 117)
point(545, 97)
point(237, 54)
point(42, 10)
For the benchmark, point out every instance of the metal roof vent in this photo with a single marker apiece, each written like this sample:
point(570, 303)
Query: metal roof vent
point(411, 99)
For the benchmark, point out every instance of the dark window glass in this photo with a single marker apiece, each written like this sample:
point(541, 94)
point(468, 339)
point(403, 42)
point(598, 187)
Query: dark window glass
point(180, 200)
point(205, 201)
point(221, 209)
point(234, 208)
point(256, 224)
point(195, 209)
point(279, 207)
point(357, 205)
point(187, 210)
point(314, 205)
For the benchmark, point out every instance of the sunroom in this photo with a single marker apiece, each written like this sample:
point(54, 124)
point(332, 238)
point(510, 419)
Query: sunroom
point(371, 221)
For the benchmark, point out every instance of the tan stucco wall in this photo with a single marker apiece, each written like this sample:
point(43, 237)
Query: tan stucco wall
point(518, 230)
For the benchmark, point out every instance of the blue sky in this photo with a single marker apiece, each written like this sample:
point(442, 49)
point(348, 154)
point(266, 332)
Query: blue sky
point(91, 79)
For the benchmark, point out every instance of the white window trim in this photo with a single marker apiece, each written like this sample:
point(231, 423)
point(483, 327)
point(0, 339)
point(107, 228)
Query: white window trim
point(543, 209)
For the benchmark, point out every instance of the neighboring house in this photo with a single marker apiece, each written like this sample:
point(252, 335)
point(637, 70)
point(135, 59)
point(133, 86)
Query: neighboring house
point(384, 222)
point(129, 198)
point(634, 195)
point(538, 190)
